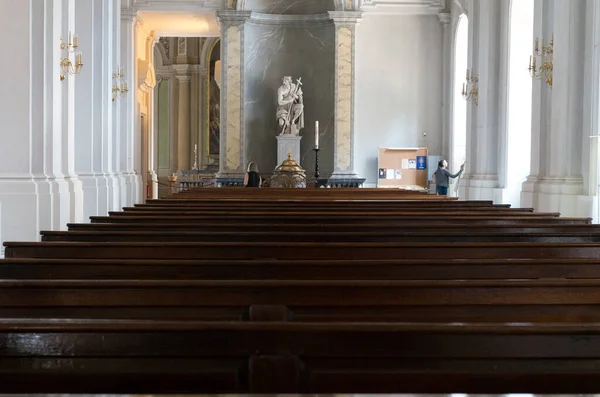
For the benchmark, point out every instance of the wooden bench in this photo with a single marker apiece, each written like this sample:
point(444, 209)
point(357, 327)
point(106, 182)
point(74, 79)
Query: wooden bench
point(133, 356)
point(297, 250)
point(345, 220)
point(475, 301)
point(373, 269)
point(160, 235)
point(523, 228)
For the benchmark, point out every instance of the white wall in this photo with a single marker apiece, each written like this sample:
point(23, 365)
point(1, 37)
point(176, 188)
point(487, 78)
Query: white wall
point(398, 87)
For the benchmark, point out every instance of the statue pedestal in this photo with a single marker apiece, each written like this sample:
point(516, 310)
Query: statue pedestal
point(285, 144)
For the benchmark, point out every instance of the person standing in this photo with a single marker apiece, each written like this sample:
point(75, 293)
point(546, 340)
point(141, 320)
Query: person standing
point(442, 176)
point(252, 178)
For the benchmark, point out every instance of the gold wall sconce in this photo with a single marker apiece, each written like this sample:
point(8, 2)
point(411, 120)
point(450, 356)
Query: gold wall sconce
point(120, 88)
point(68, 66)
point(546, 64)
point(470, 90)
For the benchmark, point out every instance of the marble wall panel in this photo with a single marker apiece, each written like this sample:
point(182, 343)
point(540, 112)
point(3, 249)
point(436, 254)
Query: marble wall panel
point(234, 78)
point(271, 53)
point(304, 7)
point(344, 99)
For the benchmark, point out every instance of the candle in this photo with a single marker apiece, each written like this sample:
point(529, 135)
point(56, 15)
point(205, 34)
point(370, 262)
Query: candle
point(316, 134)
point(467, 74)
point(76, 41)
point(70, 38)
point(537, 45)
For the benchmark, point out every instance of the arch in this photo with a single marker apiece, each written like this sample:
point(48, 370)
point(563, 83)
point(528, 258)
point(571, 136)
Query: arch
point(160, 56)
point(207, 47)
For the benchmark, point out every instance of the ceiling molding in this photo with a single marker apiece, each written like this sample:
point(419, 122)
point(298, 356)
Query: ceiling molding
point(177, 5)
point(403, 7)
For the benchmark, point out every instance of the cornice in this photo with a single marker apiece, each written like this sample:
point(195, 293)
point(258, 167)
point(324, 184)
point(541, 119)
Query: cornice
point(345, 17)
point(445, 17)
point(233, 17)
point(289, 20)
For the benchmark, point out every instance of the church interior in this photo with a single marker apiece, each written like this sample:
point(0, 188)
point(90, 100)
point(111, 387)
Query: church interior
point(135, 258)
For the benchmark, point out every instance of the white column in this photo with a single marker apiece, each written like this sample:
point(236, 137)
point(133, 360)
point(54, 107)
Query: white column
point(345, 39)
point(183, 120)
point(447, 81)
point(232, 160)
point(131, 144)
point(481, 180)
point(38, 185)
point(88, 114)
point(557, 132)
point(591, 103)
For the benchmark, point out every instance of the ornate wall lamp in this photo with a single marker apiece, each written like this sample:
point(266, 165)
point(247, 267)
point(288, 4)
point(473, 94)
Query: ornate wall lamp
point(120, 88)
point(67, 66)
point(546, 67)
point(470, 90)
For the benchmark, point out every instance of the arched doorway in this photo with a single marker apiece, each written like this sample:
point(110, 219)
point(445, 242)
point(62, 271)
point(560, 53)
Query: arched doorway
point(519, 99)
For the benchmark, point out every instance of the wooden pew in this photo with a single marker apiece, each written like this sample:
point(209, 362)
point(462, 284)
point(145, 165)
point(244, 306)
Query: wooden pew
point(521, 228)
point(133, 356)
point(432, 219)
point(373, 269)
point(212, 203)
point(297, 250)
point(332, 214)
point(476, 301)
point(160, 235)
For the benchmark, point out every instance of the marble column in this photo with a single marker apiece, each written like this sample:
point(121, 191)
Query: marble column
point(556, 182)
point(183, 119)
point(481, 181)
point(345, 39)
point(232, 162)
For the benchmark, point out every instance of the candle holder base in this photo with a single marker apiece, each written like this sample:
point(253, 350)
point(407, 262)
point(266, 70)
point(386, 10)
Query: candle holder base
point(316, 162)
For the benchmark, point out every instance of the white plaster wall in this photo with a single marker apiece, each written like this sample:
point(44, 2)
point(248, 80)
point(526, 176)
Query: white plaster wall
point(398, 87)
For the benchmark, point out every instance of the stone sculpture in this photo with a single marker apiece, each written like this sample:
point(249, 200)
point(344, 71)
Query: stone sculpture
point(290, 107)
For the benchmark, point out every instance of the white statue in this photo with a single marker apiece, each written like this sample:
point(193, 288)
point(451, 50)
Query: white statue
point(290, 107)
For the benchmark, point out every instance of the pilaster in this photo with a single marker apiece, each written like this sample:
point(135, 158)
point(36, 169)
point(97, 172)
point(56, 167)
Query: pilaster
point(132, 144)
point(344, 74)
point(445, 20)
point(481, 180)
point(183, 125)
point(232, 162)
point(556, 182)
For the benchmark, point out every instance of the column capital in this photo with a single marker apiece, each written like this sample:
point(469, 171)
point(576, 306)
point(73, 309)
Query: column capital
point(197, 69)
point(345, 18)
point(233, 17)
point(130, 15)
point(181, 70)
point(445, 18)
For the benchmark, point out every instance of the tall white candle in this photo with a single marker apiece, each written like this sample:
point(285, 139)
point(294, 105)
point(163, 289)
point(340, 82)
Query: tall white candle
point(316, 134)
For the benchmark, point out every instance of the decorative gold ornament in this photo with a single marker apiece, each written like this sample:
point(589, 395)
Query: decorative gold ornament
point(66, 65)
point(470, 90)
point(546, 54)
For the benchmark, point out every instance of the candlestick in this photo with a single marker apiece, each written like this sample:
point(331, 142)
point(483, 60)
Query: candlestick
point(316, 165)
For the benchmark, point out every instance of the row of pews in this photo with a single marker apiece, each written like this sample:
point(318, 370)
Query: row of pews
point(305, 291)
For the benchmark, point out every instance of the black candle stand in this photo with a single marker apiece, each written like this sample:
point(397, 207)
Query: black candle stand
point(316, 162)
